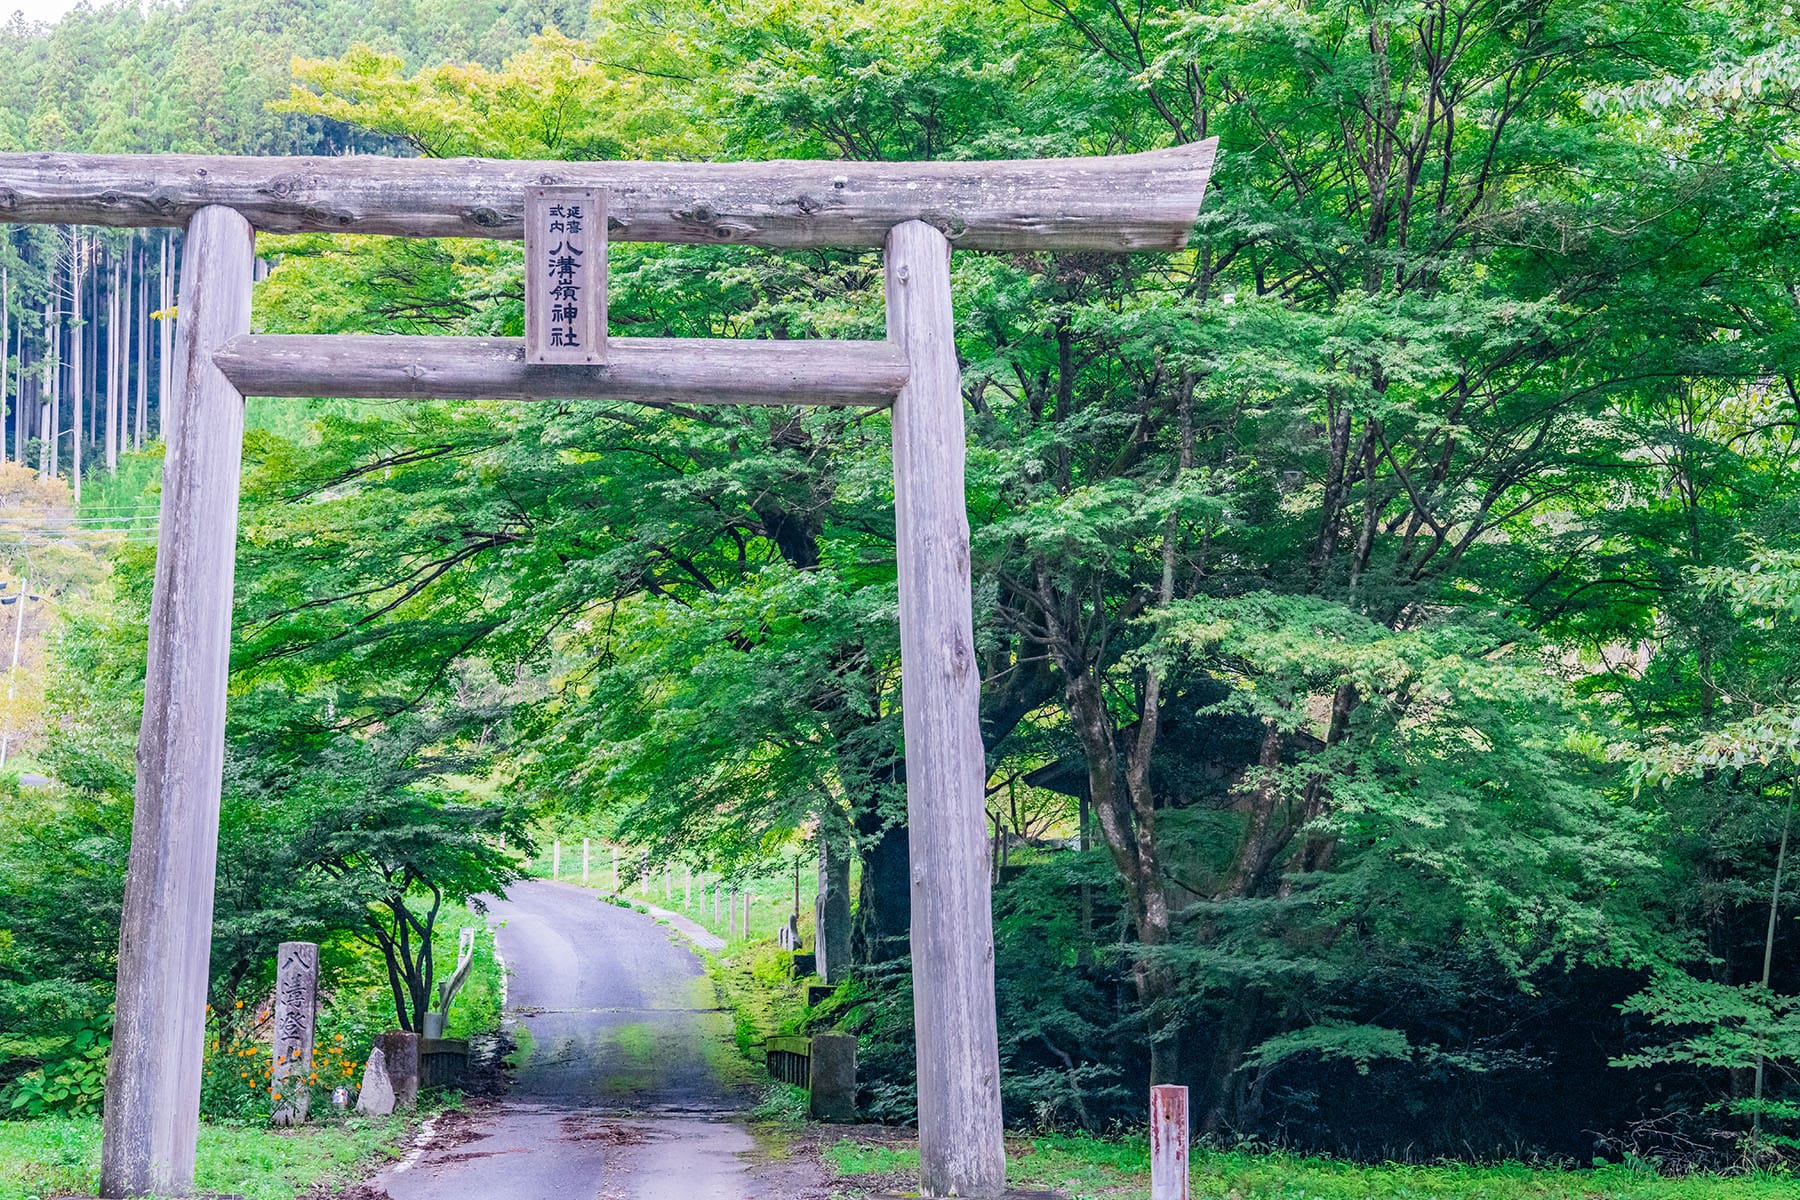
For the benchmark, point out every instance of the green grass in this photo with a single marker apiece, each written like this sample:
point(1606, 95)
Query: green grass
point(58, 1156)
point(1086, 1168)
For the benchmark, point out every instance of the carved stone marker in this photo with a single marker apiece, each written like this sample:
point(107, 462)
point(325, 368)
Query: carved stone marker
point(296, 1007)
point(376, 1097)
point(400, 1051)
point(565, 275)
point(833, 1077)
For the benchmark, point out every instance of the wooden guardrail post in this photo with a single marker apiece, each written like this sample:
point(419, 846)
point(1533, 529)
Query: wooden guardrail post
point(152, 1106)
point(1168, 1142)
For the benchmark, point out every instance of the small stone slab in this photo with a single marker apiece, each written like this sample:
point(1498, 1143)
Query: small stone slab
point(376, 1097)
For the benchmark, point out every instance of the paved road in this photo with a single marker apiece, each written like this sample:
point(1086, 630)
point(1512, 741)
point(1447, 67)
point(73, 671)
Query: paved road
point(627, 1080)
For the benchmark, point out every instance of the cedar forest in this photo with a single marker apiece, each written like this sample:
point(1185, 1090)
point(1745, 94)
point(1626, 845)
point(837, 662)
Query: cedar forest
point(1388, 606)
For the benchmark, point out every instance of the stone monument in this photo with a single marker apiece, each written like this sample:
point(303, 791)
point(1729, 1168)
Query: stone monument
point(296, 1006)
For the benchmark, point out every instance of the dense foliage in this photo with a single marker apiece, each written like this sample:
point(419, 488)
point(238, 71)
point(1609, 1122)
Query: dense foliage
point(1397, 585)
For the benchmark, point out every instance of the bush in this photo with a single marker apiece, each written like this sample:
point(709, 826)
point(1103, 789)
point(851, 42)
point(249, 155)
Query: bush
point(70, 1079)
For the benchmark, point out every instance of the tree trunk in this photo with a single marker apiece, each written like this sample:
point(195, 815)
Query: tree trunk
point(141, 316)
point(77, 353)
point(114, 372)
point(883, 919)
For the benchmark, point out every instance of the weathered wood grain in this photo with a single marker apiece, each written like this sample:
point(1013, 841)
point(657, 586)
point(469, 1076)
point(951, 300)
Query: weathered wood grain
point(152, 1106)
point(646, 370)
point(1121, 202)
point(960, 1148)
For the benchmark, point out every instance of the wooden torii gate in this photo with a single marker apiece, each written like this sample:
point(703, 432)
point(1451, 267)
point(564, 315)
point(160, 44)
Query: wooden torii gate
point(917, 212)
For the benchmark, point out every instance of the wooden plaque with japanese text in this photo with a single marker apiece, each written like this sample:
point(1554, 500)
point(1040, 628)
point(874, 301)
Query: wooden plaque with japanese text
point(565, 275)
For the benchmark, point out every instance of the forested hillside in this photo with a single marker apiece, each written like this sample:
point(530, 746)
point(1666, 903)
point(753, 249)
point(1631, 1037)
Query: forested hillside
point(1393, 595)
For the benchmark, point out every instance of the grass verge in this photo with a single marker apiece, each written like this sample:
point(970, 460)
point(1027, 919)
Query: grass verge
point(60, 1156)
point(1088, 1168)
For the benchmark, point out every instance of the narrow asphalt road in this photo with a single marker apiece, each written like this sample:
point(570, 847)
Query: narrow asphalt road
point(627, 1083)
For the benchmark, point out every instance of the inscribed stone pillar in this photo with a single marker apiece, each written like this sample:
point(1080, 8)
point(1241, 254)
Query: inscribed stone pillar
point(296, 1006)
point(831, 915)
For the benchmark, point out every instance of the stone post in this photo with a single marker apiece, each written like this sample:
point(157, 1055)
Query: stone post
point(833, 1077)
point(400, 1050)
point(296, 1008)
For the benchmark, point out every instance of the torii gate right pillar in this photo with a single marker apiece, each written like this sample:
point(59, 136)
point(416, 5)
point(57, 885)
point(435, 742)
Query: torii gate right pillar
point(961, 1147)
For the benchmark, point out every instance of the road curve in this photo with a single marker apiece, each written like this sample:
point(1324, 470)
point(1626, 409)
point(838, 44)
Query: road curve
point(627, 1080)
point(610, 1012)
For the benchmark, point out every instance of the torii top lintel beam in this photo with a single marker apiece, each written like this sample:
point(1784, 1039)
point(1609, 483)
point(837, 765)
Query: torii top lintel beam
point(1121, 202)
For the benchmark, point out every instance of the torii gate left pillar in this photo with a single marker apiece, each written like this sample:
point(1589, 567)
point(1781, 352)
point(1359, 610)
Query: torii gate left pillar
point(152, 1103)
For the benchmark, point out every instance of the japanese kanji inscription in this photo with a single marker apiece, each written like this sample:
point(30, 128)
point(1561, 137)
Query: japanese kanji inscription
point(565, 275)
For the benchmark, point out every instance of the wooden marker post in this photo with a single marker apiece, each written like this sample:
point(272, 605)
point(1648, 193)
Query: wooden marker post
point(152, 1107)
point(584, 860)
point(556, 858)
point(565, 275)
point(960, 1148)
point(1168, 1142)
point(615, 877)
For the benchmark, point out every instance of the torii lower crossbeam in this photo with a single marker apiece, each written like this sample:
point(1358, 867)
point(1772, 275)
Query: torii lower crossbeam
point(645, 370)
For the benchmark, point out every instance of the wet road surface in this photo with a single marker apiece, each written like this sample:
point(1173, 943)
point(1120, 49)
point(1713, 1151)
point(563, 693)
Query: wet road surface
point(627, 1082)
